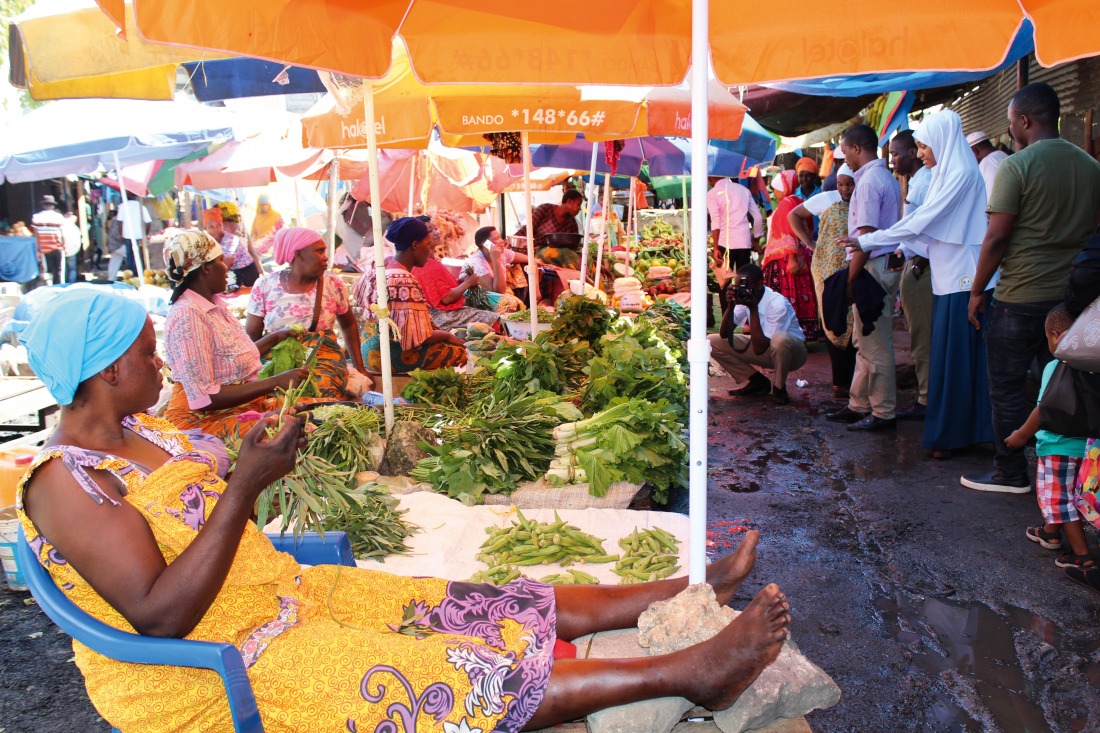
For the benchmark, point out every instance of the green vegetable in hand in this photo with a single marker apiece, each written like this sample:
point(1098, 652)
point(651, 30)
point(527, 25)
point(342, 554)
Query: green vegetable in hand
point(284, 356)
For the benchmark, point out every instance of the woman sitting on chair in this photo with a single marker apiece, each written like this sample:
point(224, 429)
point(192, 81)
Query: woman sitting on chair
point(416, 342)
point(132, 522)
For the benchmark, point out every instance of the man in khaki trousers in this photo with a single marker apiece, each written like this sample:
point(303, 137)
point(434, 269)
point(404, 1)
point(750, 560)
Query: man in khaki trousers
point(772, 338)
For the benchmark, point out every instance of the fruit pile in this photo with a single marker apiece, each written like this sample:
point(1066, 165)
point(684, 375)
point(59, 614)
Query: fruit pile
point(149, 277)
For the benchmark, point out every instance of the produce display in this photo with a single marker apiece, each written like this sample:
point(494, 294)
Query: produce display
point(650, 554)
point(148, 277)
point(524, 315)
point(632, 440)
point(628, 294)
point(444, 388)
point(635, 363)
point(530, 542)
point(306, 496)
point(581, 319)
point(373, 524)
point(343, 435)
point(288, 354)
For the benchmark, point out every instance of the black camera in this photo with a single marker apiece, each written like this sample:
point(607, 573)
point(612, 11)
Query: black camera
point(742, 292)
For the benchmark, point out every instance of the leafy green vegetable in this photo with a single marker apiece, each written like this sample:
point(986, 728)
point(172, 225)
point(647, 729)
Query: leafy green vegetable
point(498, 442)
point(524, 315)
point(373, 524)
point(343, 436)
point(581, 319)
point(632, 440)
point(444, 388)
point(306, 495)
point(630, 368)
point(284, 356)
point(526, 367)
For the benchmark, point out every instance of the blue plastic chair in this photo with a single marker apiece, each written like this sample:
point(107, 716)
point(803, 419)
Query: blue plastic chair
point(123, 646)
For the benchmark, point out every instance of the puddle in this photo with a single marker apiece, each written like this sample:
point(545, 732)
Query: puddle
point(973, 650)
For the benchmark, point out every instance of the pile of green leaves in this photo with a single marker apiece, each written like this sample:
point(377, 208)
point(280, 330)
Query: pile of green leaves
point(670, 319)
point(495, 444)
point(284, 356)
point(580, 319)
point(306, 495)
point(633, 368)
point(343, 436)
point(632, 440)
point(373, 523)
point(524, 315)
point(445, 389)
point(527, 367)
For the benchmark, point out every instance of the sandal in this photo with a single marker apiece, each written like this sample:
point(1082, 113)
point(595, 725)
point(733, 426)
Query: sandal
point(1088, 577)
point(1080, 562)
point(1046, 540)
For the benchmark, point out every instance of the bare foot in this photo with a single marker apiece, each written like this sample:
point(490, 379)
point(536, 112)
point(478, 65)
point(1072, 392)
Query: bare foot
point(727, 573)
point(741, 651)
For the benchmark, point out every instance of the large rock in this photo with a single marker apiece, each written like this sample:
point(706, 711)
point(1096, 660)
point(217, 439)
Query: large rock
point(402, 448)
point(789, 687)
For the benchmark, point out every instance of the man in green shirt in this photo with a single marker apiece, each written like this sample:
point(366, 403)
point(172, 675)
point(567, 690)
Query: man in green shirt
point(1045, 205)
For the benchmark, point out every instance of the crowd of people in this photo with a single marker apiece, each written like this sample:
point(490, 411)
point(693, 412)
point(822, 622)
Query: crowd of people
point(980, 249)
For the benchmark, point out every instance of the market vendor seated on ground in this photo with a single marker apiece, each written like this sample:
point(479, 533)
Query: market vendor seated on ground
point(290, 298)
point(138, 530)
point(415, 343)
point(213, 361)
point(499, 271)
point(448, 298)
point(771, 338)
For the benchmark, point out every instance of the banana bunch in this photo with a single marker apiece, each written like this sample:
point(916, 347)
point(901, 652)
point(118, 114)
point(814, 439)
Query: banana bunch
point(875, 111)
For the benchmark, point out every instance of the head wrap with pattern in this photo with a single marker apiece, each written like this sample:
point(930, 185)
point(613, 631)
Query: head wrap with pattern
point(187, 251)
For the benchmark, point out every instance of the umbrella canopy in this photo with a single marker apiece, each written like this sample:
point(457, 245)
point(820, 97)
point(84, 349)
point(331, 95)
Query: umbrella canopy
point(80, 135)
point(627, 42)
point(70, 49)
point(213, 81)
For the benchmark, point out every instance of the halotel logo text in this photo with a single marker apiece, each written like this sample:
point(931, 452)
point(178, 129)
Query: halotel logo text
point(360, 129)
point(863, 46)
point(683, 124)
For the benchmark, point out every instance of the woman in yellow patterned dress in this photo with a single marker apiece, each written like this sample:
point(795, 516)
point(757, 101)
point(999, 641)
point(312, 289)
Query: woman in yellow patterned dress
point(133, 523)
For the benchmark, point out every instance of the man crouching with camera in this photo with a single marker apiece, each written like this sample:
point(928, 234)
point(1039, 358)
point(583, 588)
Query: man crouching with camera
point(771, 338)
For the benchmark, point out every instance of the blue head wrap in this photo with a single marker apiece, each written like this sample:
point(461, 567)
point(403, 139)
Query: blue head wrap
point(79, 334)
point(406, 231)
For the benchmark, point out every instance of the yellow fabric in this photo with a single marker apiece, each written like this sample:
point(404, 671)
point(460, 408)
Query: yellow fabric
point(264, 224)
point(155, 83)
point(326, 626)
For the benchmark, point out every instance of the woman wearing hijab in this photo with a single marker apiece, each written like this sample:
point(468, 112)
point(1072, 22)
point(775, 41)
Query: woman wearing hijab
point(829, 256)
point(290, 297)
point(418, 344)
point(786, 263)
point(213, 361)
point(132, 522)
point(948, 230)
point(809, 182)
point(264, 225)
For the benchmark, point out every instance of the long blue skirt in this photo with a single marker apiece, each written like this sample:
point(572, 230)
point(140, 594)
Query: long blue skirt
point(959, 413)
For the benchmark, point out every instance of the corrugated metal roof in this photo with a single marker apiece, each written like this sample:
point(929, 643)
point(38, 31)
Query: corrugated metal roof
point(985, 106)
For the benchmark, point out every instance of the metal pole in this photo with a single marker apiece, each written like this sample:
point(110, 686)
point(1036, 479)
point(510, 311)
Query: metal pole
point(379, 256)
point(333, 182)
point(698, 347)
point(588, 216)
point(138, 264)
point(532, 267)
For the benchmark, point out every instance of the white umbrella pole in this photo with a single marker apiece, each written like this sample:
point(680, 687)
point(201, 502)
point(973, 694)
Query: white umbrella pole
point(629, 224)
point(532, 267)
point(698, 347)
point(414, 171)
point(686, 224)
point(333, 182)
point(297, 207)
point(606, 230)
point(379, 256)
point(588, 215)
point(138, 263)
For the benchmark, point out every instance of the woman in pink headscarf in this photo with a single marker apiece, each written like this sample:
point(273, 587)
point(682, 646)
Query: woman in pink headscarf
point(305, 295)
point(786, 262)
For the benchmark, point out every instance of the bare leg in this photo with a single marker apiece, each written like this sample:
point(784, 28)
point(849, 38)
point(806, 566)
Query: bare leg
point(712, 674)
point(586, 609)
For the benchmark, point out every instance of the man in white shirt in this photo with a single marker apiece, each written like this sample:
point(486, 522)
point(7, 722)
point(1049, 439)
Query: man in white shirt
point(989, 158)
point(731, 207)
point(135, 221)
point(772, 338)
point(70, 235)
point(916, 280)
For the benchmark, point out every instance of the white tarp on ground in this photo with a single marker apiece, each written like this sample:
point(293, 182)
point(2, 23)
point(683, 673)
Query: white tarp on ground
point(451, 534)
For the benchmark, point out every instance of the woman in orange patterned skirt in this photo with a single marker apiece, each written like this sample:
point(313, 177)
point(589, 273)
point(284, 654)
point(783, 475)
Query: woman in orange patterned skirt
point(132, 522)
point(213, 361)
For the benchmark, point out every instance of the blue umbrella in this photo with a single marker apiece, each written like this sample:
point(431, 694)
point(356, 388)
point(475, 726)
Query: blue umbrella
point(244, 77)
point(79, 135)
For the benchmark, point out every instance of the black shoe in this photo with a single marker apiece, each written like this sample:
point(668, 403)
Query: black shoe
point(780, 396)
point(757, 384)
point(995, 482)
point(845, 415)
point(872, 424)
point(916, 412)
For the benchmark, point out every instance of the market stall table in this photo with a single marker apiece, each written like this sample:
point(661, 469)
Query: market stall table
point(25, 396)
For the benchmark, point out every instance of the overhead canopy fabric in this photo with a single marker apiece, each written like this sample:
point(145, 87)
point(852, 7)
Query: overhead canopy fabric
point(80, 135)
point(213, 81)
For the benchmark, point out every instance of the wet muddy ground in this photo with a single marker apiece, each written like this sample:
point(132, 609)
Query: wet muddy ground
point(922, 599)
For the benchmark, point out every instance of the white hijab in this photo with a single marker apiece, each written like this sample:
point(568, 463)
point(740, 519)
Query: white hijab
point(953, 211)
